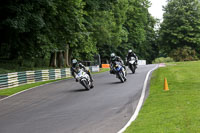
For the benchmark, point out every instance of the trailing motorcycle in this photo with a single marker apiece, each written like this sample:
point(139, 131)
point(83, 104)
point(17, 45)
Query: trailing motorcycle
point(84, 79)
point(132, 64)
point(120, 71)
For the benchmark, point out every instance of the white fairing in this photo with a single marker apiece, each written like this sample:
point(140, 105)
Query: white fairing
point(81, 75)
point(132, 61)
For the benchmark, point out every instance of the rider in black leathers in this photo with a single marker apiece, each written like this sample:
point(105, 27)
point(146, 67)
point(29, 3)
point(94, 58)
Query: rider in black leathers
point(75, 66)
point(113, 59)
point(131, 54)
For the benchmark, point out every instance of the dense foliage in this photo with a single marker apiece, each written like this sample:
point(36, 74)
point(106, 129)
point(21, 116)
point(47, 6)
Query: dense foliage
point(58, 30)
point(180, 29)
point(163, 60)
point(184, 53)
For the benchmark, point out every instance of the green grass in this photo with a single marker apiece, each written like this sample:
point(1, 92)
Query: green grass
point(102, 70)
point(11, 91)
point(176, 110)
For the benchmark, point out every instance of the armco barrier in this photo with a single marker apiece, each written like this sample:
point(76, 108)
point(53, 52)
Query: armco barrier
point(19, 78)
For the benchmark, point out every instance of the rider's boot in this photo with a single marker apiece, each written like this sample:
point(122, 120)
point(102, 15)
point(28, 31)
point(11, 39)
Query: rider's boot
point(91, 79)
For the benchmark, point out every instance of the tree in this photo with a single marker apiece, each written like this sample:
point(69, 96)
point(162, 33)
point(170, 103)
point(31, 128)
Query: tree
point(105, 22)
point(36, 28)
point(181, 25)
point(70, 33)
point(22, 24)
point(149, 48)
point(141, 33)
point(58, 30)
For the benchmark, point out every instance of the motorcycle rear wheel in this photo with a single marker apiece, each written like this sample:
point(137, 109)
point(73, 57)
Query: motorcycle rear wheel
point(132, 67)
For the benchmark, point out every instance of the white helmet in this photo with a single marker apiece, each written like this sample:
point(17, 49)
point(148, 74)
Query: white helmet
point(130, 51)
point(112, 55)
point(74, 61)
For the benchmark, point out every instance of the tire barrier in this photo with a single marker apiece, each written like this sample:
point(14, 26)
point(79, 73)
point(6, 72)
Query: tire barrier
point(20, 78)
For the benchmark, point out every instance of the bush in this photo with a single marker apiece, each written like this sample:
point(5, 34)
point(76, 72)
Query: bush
point(163, 60)
point(184, 54)
point(8, 66)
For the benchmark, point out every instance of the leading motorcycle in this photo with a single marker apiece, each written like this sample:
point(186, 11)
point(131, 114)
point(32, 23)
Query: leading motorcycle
point(84, 79)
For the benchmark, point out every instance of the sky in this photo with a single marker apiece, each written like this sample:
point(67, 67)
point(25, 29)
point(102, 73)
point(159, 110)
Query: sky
point(156, 8)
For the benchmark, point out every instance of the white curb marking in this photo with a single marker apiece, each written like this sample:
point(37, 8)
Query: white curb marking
point(134, 116)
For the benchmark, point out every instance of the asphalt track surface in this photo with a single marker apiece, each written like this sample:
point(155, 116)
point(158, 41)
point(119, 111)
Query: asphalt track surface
point(65, 106)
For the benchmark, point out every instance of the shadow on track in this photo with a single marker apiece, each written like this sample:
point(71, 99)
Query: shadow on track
point(118, 82)
point(78, 90)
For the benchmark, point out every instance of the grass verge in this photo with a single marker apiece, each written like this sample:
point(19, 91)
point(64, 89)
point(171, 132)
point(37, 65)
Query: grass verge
point(102, 70)
point(173, 111)
point(11, 91)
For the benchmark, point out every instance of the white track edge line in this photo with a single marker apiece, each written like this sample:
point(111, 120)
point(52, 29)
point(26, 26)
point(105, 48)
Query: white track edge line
point(134, 116)
point(28, 90)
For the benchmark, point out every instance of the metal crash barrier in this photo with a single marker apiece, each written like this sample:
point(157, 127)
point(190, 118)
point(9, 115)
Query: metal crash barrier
point(19, 78)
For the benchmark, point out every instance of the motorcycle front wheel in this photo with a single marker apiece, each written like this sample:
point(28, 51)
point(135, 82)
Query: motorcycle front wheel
point(120, 76)
point(92, 85)
point(132, 67)
point(85, 84)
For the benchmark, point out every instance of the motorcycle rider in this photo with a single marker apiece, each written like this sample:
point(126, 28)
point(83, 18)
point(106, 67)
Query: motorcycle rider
point(132, 54)
point(74, 69)
point(114, 58)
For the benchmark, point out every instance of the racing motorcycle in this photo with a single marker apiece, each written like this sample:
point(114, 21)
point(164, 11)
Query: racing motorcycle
point(132, 64)
point(120, 71)
point(84, 79)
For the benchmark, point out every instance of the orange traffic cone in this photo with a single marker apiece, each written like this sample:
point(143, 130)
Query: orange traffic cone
point(166, 85)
